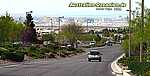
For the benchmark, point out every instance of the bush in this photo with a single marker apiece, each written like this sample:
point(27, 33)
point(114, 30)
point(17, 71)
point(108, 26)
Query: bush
point(140, 68)
point(137, 67)
point(71, 49)
point(34, 52)
point(2, 50)
point(18, 56)
point(79, 51)
point(126, 60)
point(14, 56)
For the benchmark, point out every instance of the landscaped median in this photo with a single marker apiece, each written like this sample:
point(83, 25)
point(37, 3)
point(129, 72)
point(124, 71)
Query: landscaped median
point(137, 68)
point(131, 66)
point(17, 53)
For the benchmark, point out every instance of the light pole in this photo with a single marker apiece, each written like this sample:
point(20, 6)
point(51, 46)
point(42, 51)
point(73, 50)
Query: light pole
point(87, 27)
point(88, 21)
point(141, 29)
point(29, 12)
point(129, 52)
point(129, 28)
point(51, 24)
point(59, 18)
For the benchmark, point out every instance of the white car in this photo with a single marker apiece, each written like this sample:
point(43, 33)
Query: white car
point(92, 43)
point(94, 55)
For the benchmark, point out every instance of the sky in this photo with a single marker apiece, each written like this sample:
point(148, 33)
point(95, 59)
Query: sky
point(60, 7)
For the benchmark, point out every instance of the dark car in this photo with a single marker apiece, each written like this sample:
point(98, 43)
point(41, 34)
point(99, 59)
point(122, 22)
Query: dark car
point(108, 43)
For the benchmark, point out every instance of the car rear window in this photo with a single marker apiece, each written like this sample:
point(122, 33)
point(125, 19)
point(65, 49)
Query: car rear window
point(94, 53)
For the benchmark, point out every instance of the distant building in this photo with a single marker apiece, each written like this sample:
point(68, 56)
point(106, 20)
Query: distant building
point(51, 24)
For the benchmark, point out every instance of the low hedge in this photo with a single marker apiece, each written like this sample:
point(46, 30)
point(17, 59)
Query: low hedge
point(140, 68)
point(14, 56)
point(16, 52)
point(126, 60)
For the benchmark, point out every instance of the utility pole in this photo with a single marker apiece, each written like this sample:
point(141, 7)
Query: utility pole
point(59, 22)
point(129, 52)
point(59, 18)
point(142, 25)
point(51, 24)
point(87, 27)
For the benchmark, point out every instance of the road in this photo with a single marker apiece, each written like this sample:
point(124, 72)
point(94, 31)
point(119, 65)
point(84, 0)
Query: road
point(74, 66)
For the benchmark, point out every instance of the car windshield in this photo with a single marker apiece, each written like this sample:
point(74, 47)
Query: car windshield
point(94, 53)
point(93, 42)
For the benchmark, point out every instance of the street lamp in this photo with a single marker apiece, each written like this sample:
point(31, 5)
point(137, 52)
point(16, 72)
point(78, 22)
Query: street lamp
point(51, 24)
point(141, 29)
point(29, 12)
point(59, 19)
point(129, 20)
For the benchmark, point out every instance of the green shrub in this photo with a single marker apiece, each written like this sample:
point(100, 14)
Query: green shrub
point(36, 55)
point(14, 56)
point(139, 68)
point(79, 50)
point(2, 50)
point(18, 56)
point(71, 49)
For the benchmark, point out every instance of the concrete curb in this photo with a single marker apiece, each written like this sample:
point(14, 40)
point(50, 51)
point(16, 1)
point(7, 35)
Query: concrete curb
point(8, 65)
point(116, 70)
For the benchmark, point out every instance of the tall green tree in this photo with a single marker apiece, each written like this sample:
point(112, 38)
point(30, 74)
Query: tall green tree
point(10, 30)
point(136, 34)
point(72, 31)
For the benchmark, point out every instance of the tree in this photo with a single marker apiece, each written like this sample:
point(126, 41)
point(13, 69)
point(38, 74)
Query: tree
point(49, 37)
point(106, 32)
point(29, 33)
point(10, 30)
point(72, 31)
point(136, 34)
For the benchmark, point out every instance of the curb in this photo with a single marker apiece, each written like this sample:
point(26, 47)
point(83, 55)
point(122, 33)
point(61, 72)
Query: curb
point(116, 70)
point(8, 65)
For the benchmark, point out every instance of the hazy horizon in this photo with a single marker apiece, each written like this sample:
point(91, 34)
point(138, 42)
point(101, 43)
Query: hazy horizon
point(60, 8)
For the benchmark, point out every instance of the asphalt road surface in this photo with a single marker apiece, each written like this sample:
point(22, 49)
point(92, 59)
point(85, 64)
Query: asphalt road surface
point(74, 66)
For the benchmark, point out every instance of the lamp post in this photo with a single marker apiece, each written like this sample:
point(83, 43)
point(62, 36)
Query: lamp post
point(51, 24)
point(29, 12)
point(129, 19)
point(87, 27)
point(59, 19)
point(141, 29)
point(129, 50)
